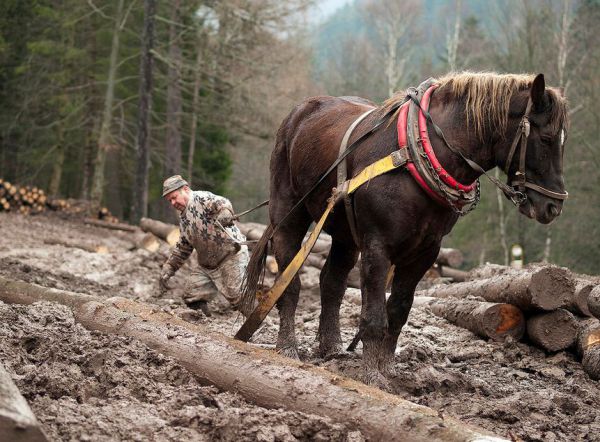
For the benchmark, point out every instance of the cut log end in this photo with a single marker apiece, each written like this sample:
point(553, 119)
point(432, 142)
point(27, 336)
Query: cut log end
point(508, 320)
point(551, 288)
point(553, 331)
point(173, 237)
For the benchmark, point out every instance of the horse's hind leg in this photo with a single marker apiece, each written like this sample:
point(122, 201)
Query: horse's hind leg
point(333, 282)
point(286, 243)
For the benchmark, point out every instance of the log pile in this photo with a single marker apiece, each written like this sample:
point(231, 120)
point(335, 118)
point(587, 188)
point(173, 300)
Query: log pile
point(556, 305)
point(31, 200)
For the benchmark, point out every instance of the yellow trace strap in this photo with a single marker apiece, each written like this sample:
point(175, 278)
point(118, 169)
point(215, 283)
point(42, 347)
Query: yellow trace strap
point(396, 159)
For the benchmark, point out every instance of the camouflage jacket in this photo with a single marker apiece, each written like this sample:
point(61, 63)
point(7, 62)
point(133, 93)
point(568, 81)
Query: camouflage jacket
point(200, 231)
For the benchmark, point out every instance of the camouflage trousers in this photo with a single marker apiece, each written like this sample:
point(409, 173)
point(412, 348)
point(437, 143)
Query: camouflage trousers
point(206, 284)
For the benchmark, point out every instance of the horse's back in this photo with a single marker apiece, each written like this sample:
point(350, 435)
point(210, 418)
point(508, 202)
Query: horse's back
point(309, 138)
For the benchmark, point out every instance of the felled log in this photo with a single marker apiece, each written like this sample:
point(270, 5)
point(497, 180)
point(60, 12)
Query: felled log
point(19, 292)
point(92, 248)
point(546, 288)
point(579, 303)
point(268, 379)
point(168, 232)
point(315, 260)
point(485, 319)
point(487, 271)
point(271, 264)
point(112, 226)
point(144, 240)
point(450, 257)
point(553, 331)
point(588, 346)
point(252, 231)
point(594, 301)
point(17, 421)
point(455, 274)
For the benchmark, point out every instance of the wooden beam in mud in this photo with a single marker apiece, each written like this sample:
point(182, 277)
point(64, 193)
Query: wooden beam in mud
point(264, 377)
point(553, 331)
point(168, 232)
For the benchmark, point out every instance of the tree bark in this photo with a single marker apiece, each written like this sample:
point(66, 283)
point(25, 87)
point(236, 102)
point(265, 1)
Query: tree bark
point(260, 376)
point(168, 232)
point(194, 117)
point(546, 288)
point(173, 140)
point(588, 347)
point(140, 192)
point(17, 421)
point(553, 331)
point(579, 303)
point(486, 319)
point(105, 138)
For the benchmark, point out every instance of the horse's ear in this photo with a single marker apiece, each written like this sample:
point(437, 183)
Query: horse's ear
point(538, 89)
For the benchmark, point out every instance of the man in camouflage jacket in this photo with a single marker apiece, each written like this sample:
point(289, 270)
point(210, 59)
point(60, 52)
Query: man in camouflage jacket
point(206, 224)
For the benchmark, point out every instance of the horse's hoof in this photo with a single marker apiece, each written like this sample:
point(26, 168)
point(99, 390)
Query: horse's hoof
point(374, 378)
point(288, 352)
point(333, 351)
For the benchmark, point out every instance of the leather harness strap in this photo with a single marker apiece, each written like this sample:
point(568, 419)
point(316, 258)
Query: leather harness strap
point(342, 175)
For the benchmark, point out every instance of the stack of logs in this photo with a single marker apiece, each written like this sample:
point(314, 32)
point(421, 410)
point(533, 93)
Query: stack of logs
point(25, 199)
point(31, 200)
point(554, 308)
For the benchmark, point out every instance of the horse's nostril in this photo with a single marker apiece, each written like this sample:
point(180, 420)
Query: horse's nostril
point(553, 209)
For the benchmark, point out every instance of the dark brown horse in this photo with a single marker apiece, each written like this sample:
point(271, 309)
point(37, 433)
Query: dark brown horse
point(396, 221)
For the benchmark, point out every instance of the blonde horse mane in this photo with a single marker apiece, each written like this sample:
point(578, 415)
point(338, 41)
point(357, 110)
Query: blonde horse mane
point(487, 98)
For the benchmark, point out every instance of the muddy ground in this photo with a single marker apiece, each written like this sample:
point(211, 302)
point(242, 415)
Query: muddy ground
point(87, 386)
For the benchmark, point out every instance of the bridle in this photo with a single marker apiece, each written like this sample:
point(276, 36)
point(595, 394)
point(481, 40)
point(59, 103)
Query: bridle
point(519, 182)
point(516, 190)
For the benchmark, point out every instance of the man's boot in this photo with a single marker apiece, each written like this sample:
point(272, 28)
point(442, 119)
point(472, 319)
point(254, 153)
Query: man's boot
point(200, 305)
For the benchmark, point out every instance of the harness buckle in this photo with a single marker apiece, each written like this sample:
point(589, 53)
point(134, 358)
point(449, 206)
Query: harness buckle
point(518, 198)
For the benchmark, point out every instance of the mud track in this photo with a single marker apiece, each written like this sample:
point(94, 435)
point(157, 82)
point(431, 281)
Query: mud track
point(89, 386)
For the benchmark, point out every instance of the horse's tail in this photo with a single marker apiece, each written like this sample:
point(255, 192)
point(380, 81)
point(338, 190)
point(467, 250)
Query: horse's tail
point(255, 272)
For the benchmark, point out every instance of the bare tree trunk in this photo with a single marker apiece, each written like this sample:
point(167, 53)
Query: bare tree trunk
point(195, 99)
point(57, 168)
point(173, 141)
point(140, 192)
point(104, 140)
point(502, 220)
point(452, 40)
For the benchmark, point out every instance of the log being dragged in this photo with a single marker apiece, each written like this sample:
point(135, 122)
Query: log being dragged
point(268, 379)
point(455, 274)
point(485, 319)
point(553, 331)
point(168, 232)
point(594, 301)
point(546, 288)
point(588, 346)
point(17, 421)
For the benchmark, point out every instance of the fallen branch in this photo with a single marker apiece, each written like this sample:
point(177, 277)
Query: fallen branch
point(112, 226)
point(78, 245)
point(486, 319)
point(266, 378)
point(17, 421)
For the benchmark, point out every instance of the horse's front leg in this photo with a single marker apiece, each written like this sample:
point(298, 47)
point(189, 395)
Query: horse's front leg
point(406, 278)
point(373, 318)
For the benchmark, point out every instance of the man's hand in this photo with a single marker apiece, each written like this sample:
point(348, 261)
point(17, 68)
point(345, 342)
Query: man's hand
point(164, 279)
point(225, 217)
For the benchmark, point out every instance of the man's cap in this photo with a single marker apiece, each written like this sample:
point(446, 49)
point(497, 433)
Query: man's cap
point(173, 183)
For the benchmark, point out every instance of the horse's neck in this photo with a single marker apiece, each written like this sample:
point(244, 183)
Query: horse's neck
point(462, 139)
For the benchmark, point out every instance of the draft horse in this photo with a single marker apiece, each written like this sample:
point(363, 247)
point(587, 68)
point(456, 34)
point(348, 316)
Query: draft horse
point(484, 120)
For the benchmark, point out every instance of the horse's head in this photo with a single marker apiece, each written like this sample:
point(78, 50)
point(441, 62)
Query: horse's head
point(534, 160)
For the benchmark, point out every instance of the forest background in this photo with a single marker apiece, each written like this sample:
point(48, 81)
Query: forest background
point(102, 99)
